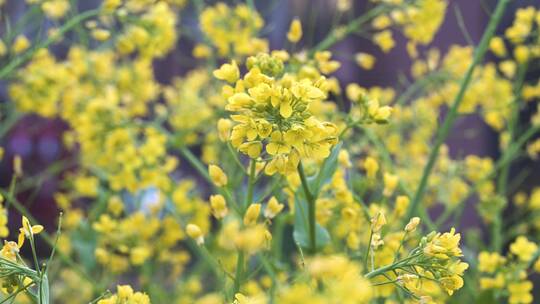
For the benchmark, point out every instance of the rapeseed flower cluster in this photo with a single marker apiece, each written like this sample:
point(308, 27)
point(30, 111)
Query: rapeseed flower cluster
point(272, 114)
point(220, 20)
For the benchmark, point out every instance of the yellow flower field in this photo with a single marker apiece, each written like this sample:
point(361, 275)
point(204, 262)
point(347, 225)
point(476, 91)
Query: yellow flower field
point(215, 152)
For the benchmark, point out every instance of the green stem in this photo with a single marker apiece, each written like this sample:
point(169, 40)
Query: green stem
point(390, 267)
point(239, 277)
point(341, 32)
point(508, 155)
point(311, 209)
point(197, 165)
point(235, 157)
point(419, 85)
point(502, 183)
point(239, 272)
point(381, 270)
point(13, 295)
point(453, 112)
point(48, 239)
point(251, 184)
point(203, 171)
point(272, 274)
point(503, 178)
point(387, 158)
point(366, 256)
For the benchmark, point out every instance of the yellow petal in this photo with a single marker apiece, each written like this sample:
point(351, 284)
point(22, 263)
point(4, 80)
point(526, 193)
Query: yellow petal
point(20, 241)
point(37, 229)
point(285, 109)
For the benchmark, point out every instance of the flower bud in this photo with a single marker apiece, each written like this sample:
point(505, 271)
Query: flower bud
point(413, 223)
point(219, 206)
point(377, 222)
point(228, 72)
point(194, 232)
point(224, 129)
point(295, 31)
point(252, 214)
point(273, 208)
point(218, 177)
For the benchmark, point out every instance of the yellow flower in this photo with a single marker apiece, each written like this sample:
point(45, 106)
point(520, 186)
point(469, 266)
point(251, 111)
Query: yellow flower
point(201, 51)
point(252, 239)
point(377, 113)
point(252, 149)
point(224, 129)
point(523, 249)
point(496, 45)
point(402, 202)
point(101, 34)
point(219, 206)
point(344, 159)
point(444, 246)
point(273, 208)
point(218, 177)
point(228, 72)
point(381, 22)
point(20, 44)
point(17, 166)
point(493, 283)
point(489, 261)
point(451, 283)
point(521, 53)
point(295, 31)
point(139, 255)
point(384, 40)
point(371, 166)
point(377, 222)
point(365, 60)
point(3, 48)
point(233, 30)
point(125, 294)
point(520, 292)
point(252, 213)
point(390, 183)
point(195, 232)
point(10, 250)
point(413, 223)
point(55, 9)
point(27, 231)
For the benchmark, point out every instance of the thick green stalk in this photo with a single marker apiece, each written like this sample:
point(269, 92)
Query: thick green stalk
point(381, 270)
point(251, 184)
point(453, 111)
point(311, 209)
point(239, 277)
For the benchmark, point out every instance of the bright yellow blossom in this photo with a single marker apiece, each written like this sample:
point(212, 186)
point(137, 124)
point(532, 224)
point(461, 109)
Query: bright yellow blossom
point(295, 31)
point(218, 177)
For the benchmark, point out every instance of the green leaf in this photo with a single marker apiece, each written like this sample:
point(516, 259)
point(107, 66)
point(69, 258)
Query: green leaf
point(44, 290)
point(327, 170)
point(301, 230)
point(84, 242)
